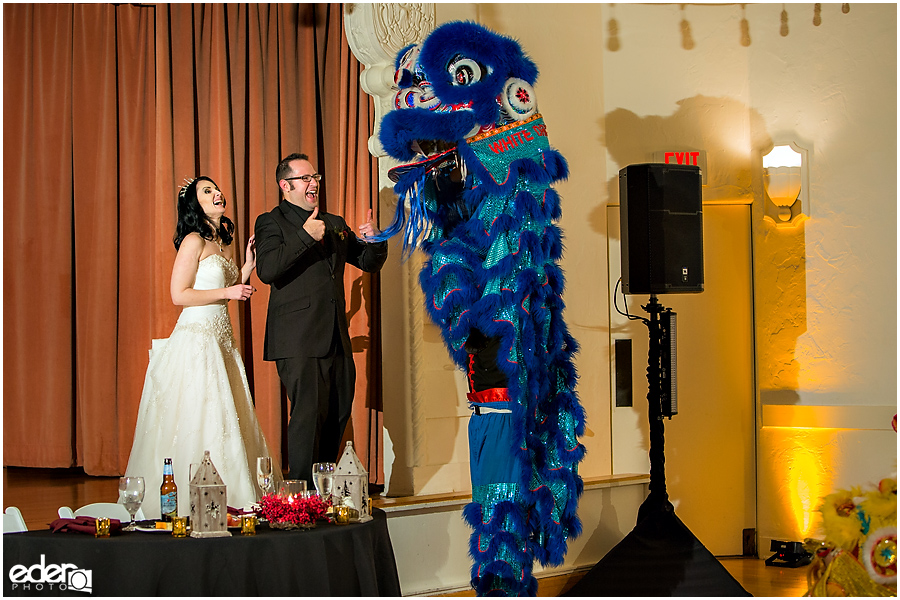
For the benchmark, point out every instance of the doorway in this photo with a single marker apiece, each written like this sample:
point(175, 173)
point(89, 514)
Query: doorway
point(710, 445)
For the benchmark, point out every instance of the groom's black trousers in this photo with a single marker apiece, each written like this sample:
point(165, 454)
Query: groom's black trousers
point(320, 390)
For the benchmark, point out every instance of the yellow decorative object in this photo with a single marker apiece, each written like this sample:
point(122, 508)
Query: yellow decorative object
point(844, 576)
point(859, 554)
point(839, 519)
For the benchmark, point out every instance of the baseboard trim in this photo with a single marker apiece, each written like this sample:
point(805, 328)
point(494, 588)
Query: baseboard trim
point(455, 500)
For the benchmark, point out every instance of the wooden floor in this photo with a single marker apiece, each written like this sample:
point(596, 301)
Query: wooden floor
point(40, 492)
point(752, 573)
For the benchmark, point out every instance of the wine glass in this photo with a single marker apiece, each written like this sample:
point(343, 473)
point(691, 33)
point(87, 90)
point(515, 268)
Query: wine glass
point(132, 490)
point(264, 474)
point(323, 478)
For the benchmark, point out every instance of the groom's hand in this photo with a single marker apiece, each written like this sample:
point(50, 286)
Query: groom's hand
point(368, 229)
point(314, 226)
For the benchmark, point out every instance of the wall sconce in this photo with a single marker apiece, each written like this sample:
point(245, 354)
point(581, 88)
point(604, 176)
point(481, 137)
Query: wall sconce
point(786, 179)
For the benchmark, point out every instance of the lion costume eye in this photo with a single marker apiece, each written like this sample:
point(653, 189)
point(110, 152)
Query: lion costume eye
point(464, 71)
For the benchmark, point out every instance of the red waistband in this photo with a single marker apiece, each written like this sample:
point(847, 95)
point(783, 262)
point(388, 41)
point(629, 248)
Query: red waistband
point(489, 395)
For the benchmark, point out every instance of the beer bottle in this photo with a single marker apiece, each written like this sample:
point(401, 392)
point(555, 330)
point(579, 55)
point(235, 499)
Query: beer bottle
point(168, 493)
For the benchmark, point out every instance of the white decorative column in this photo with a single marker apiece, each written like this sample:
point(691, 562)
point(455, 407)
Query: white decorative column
point(376, 32)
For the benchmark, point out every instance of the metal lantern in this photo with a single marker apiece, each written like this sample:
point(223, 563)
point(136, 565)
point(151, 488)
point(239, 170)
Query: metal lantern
point(209, 506)
point(351, 483)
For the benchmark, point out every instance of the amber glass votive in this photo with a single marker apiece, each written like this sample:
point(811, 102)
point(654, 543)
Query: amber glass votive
point(341, 514)
point(179, 527)
point(248, 524)
point(101, 525)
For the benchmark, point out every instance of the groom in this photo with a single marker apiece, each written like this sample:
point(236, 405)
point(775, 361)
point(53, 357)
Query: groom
point(300, 253)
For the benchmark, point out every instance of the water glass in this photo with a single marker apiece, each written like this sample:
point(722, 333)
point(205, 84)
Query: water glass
point(132, 491)
point(323, 478)
point(264, 474)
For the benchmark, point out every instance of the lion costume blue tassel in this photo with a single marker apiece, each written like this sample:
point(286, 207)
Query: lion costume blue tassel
point(482, 208)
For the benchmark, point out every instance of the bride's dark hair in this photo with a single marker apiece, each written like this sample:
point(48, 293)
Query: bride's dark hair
point(191, 217)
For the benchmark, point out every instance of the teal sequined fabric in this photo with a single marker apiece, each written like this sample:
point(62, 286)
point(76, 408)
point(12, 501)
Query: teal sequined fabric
point(497, 272)
point(482, 208)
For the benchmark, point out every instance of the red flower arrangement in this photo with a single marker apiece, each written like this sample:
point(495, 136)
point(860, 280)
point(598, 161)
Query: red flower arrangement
point(291, 512)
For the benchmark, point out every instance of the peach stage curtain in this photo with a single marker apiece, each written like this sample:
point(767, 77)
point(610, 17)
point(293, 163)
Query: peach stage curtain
point(107, 108)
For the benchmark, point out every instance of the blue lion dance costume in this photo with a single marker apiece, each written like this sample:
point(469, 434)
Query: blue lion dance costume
point(482, 208)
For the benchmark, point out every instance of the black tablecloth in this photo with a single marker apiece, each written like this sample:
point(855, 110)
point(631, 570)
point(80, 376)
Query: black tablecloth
point(330, 560)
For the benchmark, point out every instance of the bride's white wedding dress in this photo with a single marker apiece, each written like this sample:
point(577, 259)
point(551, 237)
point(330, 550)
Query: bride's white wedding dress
point(196, 398)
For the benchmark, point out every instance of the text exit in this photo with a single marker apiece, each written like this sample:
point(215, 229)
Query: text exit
point(682, 158)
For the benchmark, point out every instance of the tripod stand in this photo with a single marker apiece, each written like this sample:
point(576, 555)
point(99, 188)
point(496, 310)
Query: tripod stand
point(660, 557)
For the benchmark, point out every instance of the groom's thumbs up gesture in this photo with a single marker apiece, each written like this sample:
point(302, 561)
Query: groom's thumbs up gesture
point(314, 226)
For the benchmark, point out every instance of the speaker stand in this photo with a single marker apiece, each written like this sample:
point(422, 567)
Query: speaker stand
point(658, 499)
point(660, 557)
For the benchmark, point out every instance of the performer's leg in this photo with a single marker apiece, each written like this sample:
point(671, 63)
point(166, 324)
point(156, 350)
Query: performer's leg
point(307, 391)
point(502, 563)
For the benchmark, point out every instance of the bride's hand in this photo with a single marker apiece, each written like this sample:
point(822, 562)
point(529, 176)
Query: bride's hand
point(250, 254)
point(241, 291)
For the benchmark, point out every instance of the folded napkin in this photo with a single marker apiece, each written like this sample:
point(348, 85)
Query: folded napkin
point(83, 525)
point(240, 511)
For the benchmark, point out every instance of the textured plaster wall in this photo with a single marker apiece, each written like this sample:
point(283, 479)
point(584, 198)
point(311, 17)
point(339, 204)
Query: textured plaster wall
point(826, 292)
point(835, 87)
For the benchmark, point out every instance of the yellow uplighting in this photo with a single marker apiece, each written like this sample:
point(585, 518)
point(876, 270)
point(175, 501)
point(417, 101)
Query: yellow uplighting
point(804, 500)
point(804, 474)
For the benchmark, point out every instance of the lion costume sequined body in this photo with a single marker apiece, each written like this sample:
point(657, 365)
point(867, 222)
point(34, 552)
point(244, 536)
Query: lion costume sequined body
point(482, 209)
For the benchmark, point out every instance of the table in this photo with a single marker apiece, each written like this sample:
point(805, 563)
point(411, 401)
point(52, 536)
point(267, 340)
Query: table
point(330, 560)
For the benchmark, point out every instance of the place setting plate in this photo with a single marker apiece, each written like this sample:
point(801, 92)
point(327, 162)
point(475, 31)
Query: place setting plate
point(149, 526)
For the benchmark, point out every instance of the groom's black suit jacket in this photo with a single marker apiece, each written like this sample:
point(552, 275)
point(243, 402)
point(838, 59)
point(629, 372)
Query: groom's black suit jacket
point(306, 299)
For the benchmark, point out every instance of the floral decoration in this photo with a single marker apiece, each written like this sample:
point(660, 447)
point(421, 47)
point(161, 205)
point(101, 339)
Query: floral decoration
point(291, 511)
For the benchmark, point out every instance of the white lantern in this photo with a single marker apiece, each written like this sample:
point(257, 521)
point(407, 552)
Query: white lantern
point(351, 483)
point(209, 506)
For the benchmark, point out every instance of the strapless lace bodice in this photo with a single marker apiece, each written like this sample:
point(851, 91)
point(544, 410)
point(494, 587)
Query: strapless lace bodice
point(216, 271)
point(213, 272)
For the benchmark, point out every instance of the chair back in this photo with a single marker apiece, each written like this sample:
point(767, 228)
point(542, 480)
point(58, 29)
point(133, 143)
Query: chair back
point(111, 510)
point(13, 521)
point(65, 512)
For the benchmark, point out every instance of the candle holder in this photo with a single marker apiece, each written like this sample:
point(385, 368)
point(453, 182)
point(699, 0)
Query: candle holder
point(179, 527)
point(248, 524)
point(101, 527)
point(342, 514)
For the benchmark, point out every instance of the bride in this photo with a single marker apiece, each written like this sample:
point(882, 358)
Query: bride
point(196, 396)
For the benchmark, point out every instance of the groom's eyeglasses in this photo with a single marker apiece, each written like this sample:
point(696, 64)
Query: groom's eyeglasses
point(305, 178)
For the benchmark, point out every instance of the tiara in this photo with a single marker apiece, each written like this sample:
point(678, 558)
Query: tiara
point(184, 187)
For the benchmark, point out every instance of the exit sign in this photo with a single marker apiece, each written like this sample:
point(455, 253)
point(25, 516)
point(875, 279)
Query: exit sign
point(682, 158)
point(695, 158)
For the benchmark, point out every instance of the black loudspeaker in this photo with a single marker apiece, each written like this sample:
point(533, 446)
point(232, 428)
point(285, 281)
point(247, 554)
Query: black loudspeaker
point(661, 214)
